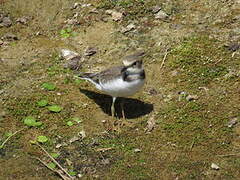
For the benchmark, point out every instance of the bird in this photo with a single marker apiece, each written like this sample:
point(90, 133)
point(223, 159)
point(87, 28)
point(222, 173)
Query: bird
point(119, 81)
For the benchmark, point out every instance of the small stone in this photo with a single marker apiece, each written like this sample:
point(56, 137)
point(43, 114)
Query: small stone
point(129, 27)
point(214, 166)
point(156, 9)
point(137, 150)
point(6, 22)
point(73, 59)
point(152, 92)
point(191, 97)
point(67, 54)
point(82, 134)
point(72, 21)
point(90, 51)
point(80, 175)
point(116, 16)
point(10, 36)
point(161, 15)
point(75, 5)
point(86, 5)
point(232, 122)
point(23, 20)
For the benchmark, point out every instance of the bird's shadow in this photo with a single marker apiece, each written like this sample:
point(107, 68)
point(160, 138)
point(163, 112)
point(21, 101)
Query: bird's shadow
point(133, 108)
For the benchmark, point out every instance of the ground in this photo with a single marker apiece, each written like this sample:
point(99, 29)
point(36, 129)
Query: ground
point(184, 119)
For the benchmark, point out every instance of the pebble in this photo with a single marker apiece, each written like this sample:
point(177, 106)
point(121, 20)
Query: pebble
point(116, 16)
point(156, 9)
point(10, 36)
point(152, 92)
point(137, 150)
point(232, 122)
point(6, 22)
point(129, 27)
point(73, 59)
point(161, 15)
point(23, 20)
point(90, 51)
point(214, 166)
point(191, 97)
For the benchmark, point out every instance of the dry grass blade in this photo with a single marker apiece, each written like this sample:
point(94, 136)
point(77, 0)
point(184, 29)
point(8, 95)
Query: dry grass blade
point(6, 140)
point(59, 172)
point(55, 161)
point(164, 58)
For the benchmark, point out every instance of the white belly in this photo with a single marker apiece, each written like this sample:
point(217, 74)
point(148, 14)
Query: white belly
point(120, 88)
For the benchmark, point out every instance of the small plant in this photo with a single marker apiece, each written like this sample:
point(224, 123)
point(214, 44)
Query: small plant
point(55, 108)
point(70, 123)
point(48, 86)
point(31, 122)
point(42, 103)
point(51, 165)
point(54, 155)
point(42, 139)
point(66, 33)
point(72, 173)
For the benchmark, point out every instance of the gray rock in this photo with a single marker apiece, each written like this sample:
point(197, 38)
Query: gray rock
point(23, 20)
point(214, 166)
point(129, 27)
point(232, 122)
point(161, 15)
point(6, 22)
point(90, 51)
point(137, 150)
point(73, 59)
point(191, 97)
point(156, 9)
point(10, 37)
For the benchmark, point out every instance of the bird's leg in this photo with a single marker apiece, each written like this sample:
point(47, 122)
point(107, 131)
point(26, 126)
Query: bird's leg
point(112, 107)
point(124, 121)
point(122, 109)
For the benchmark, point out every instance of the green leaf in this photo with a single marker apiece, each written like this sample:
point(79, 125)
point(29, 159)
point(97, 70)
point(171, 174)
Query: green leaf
point(76, 119)
point(48, 86)
point(69, 30)
point(62, 31)
point(31, 122)
point(51, 165)
point(55, 108)
point(65, 35)
point(42, 139)
point(42, 103)
point(72, 173)
point(55, 155)
point(70, 123)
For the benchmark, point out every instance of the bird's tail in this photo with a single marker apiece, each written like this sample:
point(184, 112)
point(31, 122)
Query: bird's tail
point(91, 77)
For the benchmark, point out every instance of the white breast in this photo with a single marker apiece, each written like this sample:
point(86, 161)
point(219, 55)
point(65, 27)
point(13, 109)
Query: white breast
point(120, 88)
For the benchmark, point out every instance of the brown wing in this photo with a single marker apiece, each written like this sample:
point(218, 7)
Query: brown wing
point(109, 74)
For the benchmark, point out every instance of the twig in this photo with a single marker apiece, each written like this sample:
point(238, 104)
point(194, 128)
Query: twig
point(4, 142)
point(54, 161)
point(164, 59)
point(56, 171)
